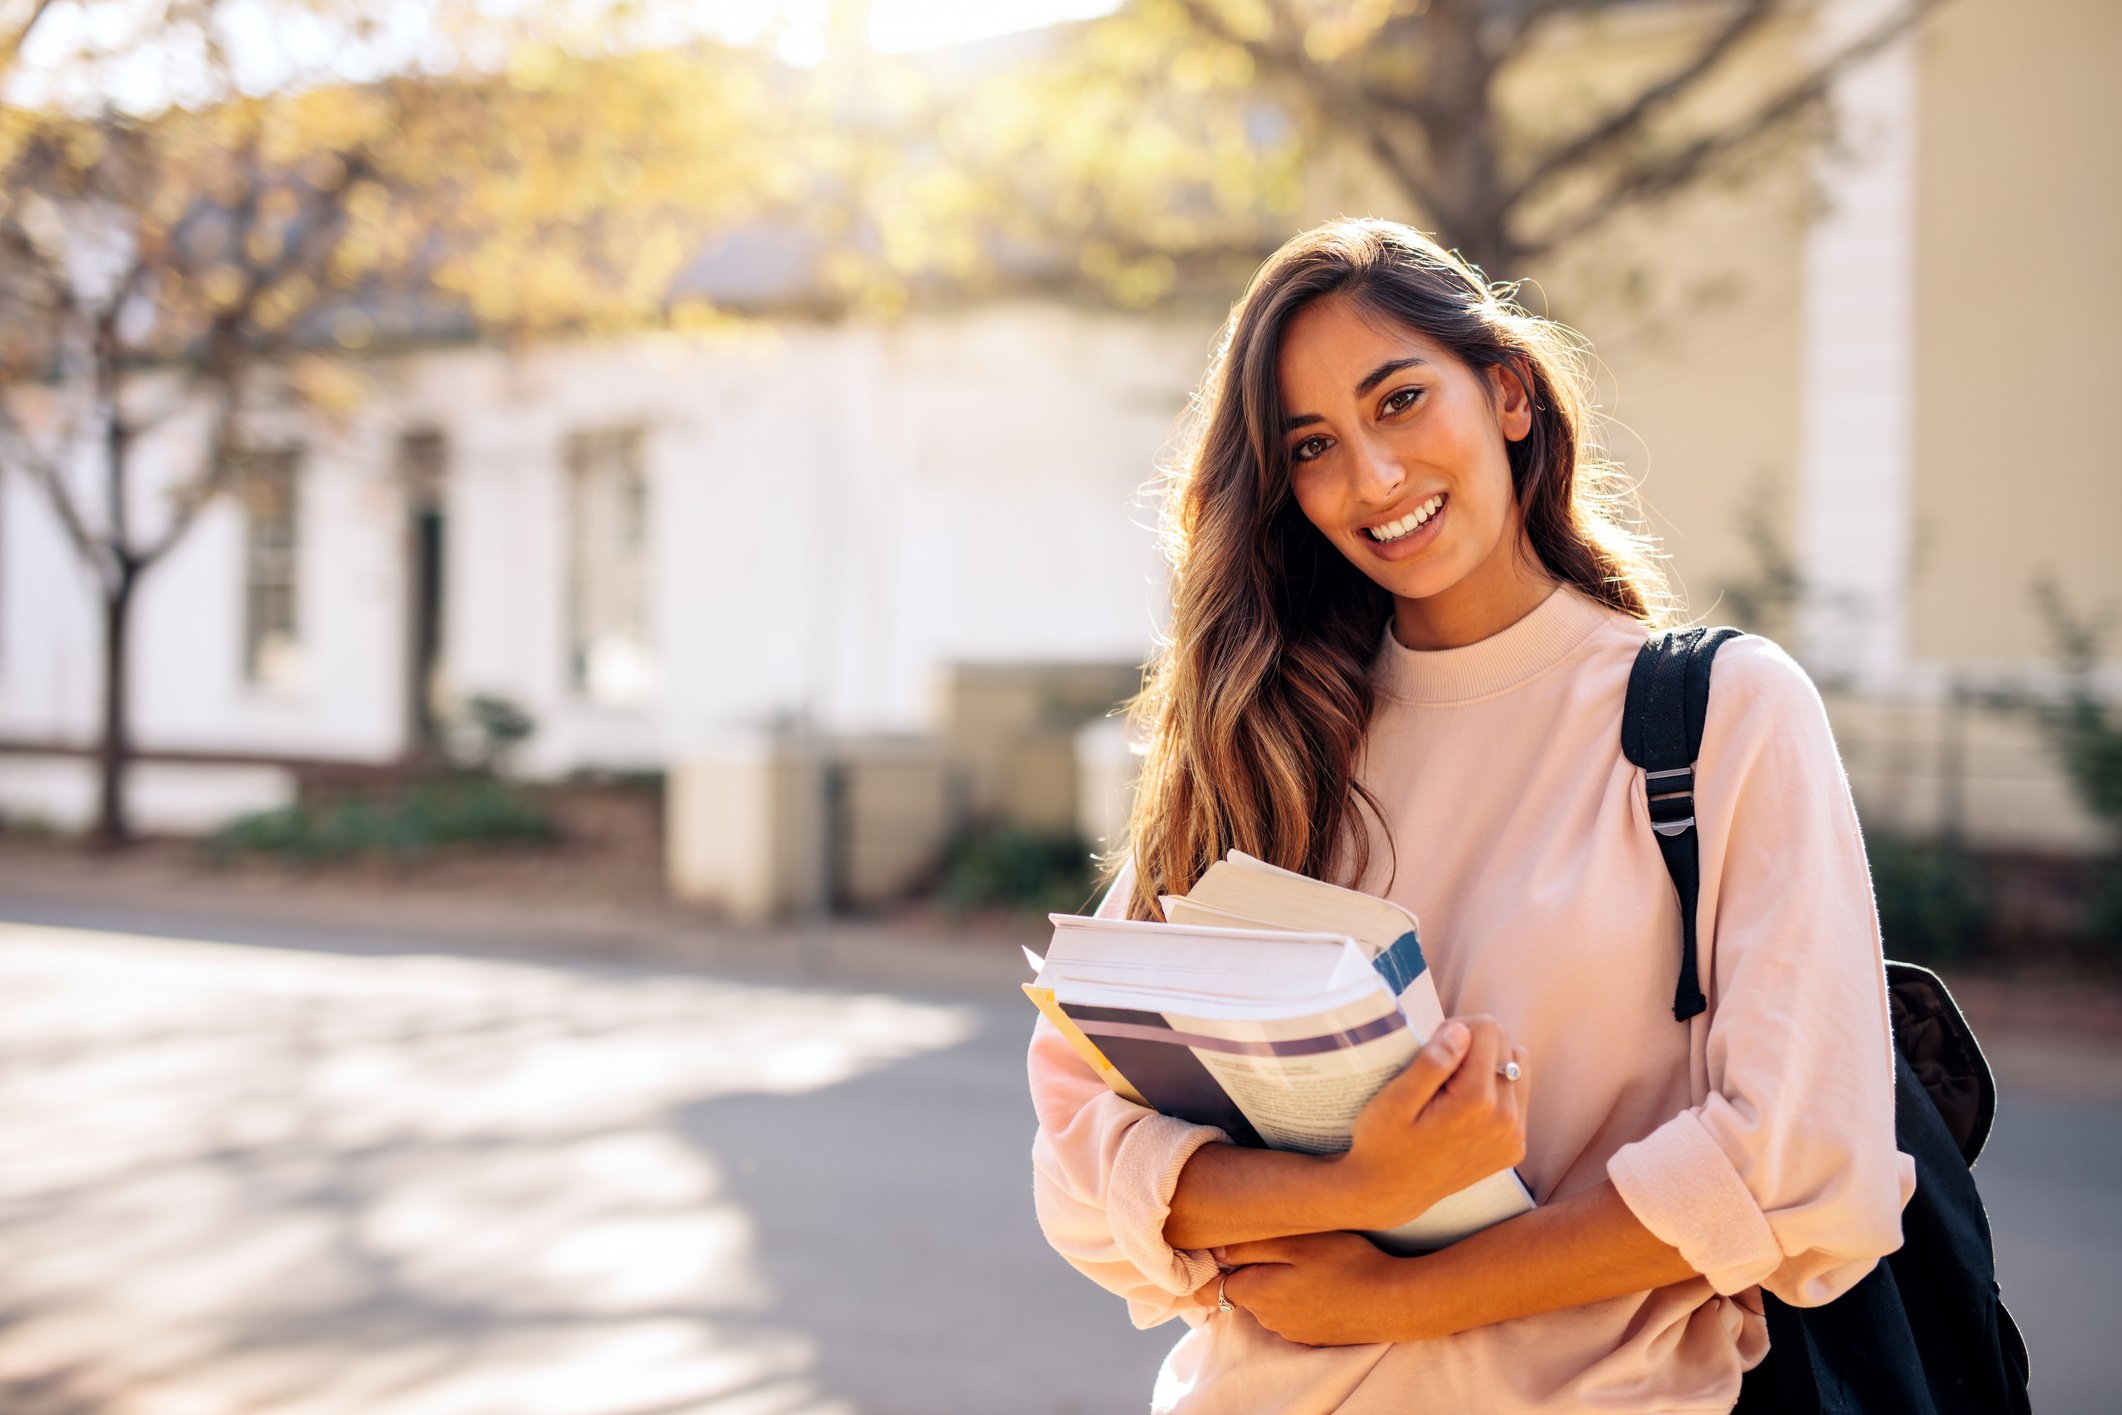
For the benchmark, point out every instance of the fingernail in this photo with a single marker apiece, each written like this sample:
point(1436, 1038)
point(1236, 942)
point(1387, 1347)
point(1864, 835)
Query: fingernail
point(1452, 1038)
point(1216, 1253)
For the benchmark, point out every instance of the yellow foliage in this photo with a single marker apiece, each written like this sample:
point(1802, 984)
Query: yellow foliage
point(334, 387)
point(559, 182)
point(352, 329)
point(222, 286)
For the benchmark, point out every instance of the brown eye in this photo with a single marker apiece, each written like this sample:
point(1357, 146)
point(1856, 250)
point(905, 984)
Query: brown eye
point(1402, 398)
point(1298, 453)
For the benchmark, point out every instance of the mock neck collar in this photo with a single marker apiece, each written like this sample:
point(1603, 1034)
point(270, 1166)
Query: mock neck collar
point(1503, 660)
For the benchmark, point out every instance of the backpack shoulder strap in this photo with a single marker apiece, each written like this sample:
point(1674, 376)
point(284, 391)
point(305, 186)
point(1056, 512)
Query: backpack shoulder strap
point(1661, 732)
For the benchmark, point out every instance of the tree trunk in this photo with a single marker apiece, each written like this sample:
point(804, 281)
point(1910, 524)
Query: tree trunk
point(1460, 135)
point(115, 752)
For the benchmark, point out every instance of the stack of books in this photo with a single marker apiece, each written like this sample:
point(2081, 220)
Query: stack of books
point(1268, 1003)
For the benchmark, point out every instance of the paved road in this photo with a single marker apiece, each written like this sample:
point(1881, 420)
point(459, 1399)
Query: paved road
point(351, 1179)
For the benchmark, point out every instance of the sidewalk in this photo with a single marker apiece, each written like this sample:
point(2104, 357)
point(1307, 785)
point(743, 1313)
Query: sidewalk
point(2051, 1038)
point(516, 911)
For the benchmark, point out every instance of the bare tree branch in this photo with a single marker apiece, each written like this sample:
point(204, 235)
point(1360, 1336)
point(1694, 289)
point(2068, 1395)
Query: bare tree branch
point(1601, 136)
point(218, 464)
point(233, 345)
point(48, 476)
point(1676, 169)
point(1342, 101)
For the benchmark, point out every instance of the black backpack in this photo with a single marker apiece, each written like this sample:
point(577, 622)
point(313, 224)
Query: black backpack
point(1925, 1332)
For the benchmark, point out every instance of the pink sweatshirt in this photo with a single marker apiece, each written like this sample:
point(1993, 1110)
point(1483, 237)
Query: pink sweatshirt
point(1757, 1138)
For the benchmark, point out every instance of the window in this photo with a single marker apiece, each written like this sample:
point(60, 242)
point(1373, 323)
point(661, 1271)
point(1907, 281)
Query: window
point(609, 654)
point(271, 569)
point(423, 465)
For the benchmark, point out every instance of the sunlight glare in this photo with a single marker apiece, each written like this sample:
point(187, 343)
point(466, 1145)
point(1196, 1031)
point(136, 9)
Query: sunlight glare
point(896, 26)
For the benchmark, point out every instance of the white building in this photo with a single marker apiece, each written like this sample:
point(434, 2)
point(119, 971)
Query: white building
point(644, 544)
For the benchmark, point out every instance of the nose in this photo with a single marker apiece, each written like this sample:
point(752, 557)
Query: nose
point(1379, 474)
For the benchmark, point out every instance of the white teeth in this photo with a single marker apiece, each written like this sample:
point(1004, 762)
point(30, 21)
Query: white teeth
point(1393, 530)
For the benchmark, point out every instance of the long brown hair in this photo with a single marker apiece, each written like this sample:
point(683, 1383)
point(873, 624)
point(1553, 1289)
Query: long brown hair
point(1256, 703)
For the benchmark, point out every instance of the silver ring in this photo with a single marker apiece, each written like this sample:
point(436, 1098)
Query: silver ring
point(1510, 1071)
point(1223, 1304)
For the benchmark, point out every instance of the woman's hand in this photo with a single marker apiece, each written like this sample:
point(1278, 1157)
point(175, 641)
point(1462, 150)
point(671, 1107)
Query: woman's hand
point(1321, 1289)
point(1445, 1122)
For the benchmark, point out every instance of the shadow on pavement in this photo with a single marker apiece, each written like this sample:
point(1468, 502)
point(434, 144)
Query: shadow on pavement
point(895, 1224)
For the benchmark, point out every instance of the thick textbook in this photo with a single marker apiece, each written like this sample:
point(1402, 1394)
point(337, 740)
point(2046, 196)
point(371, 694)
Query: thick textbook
point(1269, 1004)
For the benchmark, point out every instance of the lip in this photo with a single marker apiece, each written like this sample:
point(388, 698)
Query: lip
point(1412, 544)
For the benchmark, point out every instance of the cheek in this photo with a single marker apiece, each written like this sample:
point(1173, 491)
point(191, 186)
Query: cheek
point(1315, 498)
point(1480, 462)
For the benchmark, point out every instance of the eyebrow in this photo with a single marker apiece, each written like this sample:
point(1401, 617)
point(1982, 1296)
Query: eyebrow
point(1371, 380)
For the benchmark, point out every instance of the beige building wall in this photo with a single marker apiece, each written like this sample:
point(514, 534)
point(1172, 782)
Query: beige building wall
point(1695, 310)
point(1703, 401)
point(2018, 323)
point(1691, 304)
point(1956, 242)
point(1691, 307)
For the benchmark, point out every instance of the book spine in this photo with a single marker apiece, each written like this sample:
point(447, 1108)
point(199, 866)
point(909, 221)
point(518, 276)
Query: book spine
point(1401, 962)
point(1043, 999)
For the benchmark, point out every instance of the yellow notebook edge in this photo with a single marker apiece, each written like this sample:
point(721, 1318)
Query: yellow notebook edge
point(1043, 999)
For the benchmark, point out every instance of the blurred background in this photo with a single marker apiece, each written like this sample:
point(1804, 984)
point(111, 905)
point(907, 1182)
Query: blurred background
point(567, 568)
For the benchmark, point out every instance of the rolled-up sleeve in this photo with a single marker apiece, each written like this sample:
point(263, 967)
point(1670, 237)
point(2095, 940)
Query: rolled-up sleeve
point(1103, 1173)
point(1786, 1174)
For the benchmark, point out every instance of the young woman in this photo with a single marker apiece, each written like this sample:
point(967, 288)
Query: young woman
point(1405, 609)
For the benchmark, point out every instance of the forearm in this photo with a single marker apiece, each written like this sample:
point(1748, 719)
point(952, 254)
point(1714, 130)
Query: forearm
point(1440, 1125)
point(1235, 1194)
point(1583, 1249)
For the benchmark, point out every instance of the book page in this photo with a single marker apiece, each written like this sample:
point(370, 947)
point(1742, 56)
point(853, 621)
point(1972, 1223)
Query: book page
point(1418, 997)
point(1302, 1087)
point(1269, 962)
point(1500, 1196)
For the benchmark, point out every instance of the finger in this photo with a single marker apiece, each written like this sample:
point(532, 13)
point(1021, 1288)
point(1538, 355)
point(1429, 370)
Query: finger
point(1432, 1067)
point(1258, 1250)
point(1510, 1095)
point(1476, 1078)
point(1252, 1285)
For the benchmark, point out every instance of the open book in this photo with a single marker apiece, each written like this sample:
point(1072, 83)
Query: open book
point(1268, 1003)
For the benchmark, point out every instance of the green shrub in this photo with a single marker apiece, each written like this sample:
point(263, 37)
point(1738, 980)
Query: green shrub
point(468, 808)
point(1934, 899)
point(1003, 867)
point(497, 726)
point(2085, 734)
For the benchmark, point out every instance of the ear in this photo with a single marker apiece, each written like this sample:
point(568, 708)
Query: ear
point(1510, 384)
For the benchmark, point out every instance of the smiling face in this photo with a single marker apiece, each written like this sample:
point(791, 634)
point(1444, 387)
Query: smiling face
point(1399, 456)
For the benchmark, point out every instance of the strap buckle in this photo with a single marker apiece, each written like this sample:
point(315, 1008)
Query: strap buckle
point(1671, 798)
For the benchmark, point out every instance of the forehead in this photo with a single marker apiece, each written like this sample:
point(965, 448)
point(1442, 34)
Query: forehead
point(1331, 344)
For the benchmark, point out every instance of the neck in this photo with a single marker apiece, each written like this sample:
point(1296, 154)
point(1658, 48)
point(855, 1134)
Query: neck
point(1487, 602)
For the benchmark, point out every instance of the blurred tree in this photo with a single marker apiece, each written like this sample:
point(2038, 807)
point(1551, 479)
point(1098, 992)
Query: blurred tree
point(180, 254)
point(15, 26)
point(1166, 131)
point(2083, 728)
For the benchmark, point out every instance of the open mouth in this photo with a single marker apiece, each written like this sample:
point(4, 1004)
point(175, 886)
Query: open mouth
point(1410, 525)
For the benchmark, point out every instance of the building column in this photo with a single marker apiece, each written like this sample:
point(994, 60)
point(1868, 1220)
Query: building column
point(1857, 438)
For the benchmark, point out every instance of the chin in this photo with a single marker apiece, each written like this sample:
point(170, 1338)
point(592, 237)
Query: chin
point(1421, 581)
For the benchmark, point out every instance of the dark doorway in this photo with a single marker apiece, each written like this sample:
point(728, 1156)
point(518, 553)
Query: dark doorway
point(422, 462)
